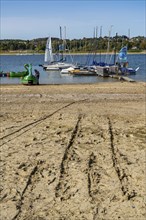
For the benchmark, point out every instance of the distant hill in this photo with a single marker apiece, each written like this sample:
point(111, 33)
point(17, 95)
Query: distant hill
point(135, 44)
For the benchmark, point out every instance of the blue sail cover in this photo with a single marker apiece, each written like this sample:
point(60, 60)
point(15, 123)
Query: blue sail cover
point(123, 54)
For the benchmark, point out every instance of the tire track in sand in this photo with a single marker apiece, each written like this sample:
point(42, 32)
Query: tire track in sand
point(61, 188)
point(29, 126)
point(121, 173)
point(96, 174)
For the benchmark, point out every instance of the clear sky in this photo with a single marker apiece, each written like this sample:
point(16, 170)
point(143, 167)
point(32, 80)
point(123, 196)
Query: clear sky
point(29, 19)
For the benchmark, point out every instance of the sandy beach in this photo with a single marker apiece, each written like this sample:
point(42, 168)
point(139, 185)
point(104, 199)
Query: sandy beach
point(73, 152)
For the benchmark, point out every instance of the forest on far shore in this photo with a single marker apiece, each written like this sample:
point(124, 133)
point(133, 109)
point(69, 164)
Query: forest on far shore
point(85, 45)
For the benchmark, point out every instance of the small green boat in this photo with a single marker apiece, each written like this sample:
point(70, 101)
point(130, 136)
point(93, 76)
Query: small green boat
point(19, 74)
point(30, 79)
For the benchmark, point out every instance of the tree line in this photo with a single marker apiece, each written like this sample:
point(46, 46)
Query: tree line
point(84, 45)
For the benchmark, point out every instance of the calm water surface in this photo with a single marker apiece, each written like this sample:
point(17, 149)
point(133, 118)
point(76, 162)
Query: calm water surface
point(16, 63)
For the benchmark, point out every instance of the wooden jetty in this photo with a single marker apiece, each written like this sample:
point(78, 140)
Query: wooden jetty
point(125, 78)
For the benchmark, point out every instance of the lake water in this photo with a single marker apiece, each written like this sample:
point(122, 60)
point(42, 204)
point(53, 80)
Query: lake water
point(16, 63)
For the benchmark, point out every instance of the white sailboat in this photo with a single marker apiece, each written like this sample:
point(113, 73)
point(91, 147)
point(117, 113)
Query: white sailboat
point(50, 62)
point(48, 51)
point(48, 59)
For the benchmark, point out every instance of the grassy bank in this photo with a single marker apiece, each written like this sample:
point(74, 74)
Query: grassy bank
point(73, 53)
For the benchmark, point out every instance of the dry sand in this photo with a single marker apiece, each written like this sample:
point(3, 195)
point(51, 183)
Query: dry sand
point(73, 152)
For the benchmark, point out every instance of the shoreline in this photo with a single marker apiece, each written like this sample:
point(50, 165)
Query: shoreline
point(118, 87)
point(77, 84)
point(33, 53)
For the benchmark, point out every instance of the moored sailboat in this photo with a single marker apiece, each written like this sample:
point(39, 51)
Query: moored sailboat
point(105, 68)
point(50, 62)
point(123, 64)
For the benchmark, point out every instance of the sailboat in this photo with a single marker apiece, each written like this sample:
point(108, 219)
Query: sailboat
point(48, 59)
point(102, 68)
point(123, 63)
point(50, 62)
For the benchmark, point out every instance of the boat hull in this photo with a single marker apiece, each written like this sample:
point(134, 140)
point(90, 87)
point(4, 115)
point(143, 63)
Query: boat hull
point(58, 66)
point(102, 71)
point(127, 71)
point(78, 72)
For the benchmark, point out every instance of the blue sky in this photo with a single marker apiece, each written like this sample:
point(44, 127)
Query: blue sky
point(29, 19)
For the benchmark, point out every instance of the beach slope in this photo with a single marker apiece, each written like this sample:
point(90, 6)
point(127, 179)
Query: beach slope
point(73, 151)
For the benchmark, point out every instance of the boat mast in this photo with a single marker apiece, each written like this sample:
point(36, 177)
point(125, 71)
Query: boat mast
point(108, 46)
point(64, 40)
point(100, 41)
point(61, 46)
point(95, 42)
point(115, 49)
